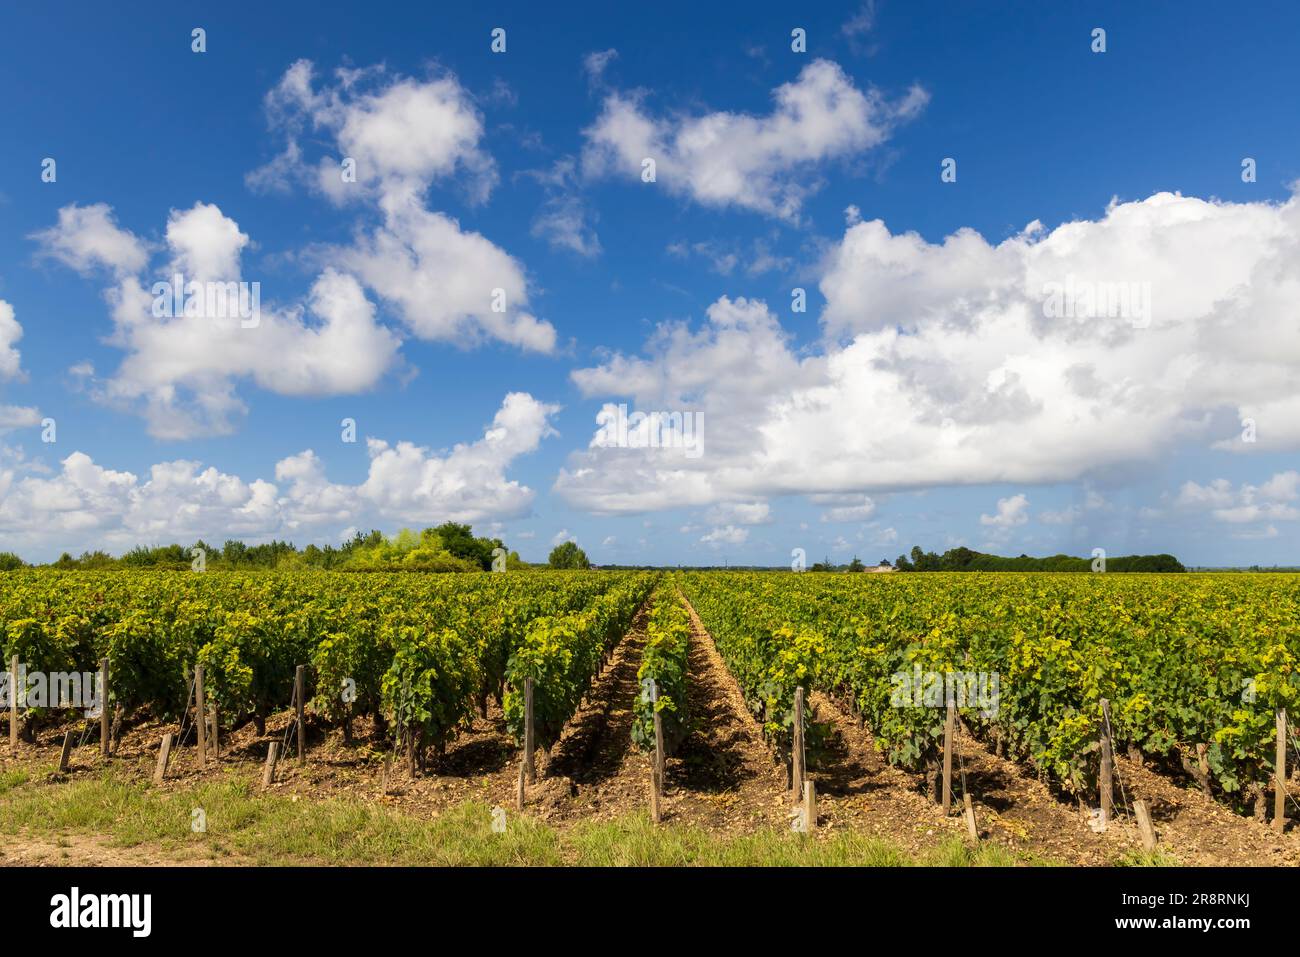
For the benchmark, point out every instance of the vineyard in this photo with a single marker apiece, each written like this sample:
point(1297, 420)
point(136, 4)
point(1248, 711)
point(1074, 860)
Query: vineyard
point(419, 653)
point(458, 672)
point(1184, 662)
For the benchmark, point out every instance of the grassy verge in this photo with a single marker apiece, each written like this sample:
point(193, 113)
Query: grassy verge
point(243, 826)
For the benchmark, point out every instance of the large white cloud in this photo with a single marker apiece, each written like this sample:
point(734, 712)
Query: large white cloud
point(951, 364)
point(181, 370)
point(403, 136)
point(402, 133)
point(85, 505)
point(762, 163)
point(442, 280)
point(730, 371)
point(467, 483)
point(205, 243)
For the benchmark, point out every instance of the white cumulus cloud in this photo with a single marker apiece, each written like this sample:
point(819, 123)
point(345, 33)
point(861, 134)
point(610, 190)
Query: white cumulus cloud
point(762, 163)
point(404, 135)
point(725, 535)
point(1276, 500)
point(181, 368)
point(1011, 511)
point(85, 505)
point(944, 364)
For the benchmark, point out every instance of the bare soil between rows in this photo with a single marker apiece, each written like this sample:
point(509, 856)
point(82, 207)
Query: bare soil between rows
point(724, 777)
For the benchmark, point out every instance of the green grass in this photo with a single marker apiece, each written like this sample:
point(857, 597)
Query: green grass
point(1157, 858)
point(245, 826)
point(635, 841)
point(12, 779)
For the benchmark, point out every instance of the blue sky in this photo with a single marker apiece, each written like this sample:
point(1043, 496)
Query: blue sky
point(925, 396)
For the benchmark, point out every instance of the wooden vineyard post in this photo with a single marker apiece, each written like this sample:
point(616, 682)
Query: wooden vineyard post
point(1107, 765)
point(659, 734)
point(796, 752)
point(949, 732)
point(216, 742)
point(299, 689)
point(810, 806)
point(1145, 827)
point(268, 772)
point(656, 812)
point(67, 752)
point(164, 755)
point(972, 827)
point(530, 770)
point(657, 770)
point(103, 706)
point(519, 789)
point(13, 703)
point(1279, 773)
point(200, 716)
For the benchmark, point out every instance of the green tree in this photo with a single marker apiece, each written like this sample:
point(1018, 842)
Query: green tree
point(460, 541)
point(568, 555)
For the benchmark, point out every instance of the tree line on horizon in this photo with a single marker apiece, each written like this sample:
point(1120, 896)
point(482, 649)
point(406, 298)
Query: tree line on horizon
point(449, 547)
point(452, 547)
point(963, 559)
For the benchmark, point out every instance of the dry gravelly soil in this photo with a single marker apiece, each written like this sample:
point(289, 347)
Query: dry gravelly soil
point(724, 777)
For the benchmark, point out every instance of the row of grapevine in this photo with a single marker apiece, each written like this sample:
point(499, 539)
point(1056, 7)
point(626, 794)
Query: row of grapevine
point(768, 651)
point(664, 662)
point(421, 651)
point(562, 654)
point(1185, 661)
